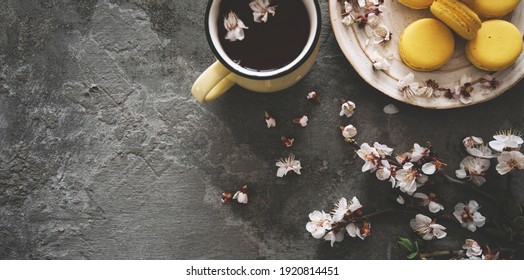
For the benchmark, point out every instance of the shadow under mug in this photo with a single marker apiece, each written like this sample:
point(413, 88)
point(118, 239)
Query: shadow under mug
point(225, 73)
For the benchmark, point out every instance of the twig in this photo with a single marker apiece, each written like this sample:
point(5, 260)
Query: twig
point(471, 187)
point(508, 186)
point(424, 256)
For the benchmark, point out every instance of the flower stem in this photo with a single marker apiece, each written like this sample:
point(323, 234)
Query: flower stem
point(471, 187)
point(508, 186)
point(424, 256)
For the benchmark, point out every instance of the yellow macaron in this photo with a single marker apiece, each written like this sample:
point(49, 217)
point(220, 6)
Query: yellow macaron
point(416, 4)
point(497, 46)
point(426, 44)
point(492, 8)
point(458, 17)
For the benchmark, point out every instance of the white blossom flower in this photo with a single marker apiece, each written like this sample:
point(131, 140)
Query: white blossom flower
point(380, 62)
point(270, 121)
point(302, 121)
point(235, 27)
point(370, 156)
point(349, 132)
point(429, 201)
point(241, 197)
point(261, 10)
point(489, 83)
point(473, 169)
point(319, 224)
point(288, 142)
point(348, 109)
point(343, 208)
point(312, 96)
point(418, 152)
point(384, 171)
point(427, 228)
point(473, 249)
point(381, 34)
point(409, 179)
point(506, 140)
point(288, 164)
point(407, 86)
point(509, 161)
point(382, 150)
point(361, 230)
point(334, 235)
point(472, 141)
point(468, 216)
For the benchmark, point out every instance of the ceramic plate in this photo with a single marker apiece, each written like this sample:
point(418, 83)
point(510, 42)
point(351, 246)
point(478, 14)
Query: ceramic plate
point(362, 50)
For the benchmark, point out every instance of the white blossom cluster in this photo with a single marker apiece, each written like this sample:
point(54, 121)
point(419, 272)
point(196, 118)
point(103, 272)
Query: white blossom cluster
point(507, 146)
point(345, 218)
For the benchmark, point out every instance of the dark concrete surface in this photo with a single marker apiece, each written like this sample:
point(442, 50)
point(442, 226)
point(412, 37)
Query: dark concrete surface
point(104, 153)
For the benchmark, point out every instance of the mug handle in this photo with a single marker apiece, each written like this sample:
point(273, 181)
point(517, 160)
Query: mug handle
point(212, 83)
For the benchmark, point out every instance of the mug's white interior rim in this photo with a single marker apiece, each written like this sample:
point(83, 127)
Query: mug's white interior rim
point(213, 32)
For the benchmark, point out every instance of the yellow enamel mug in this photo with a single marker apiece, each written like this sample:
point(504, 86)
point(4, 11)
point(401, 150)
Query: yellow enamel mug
point(225, 73)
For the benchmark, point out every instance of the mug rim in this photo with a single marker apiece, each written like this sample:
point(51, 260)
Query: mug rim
point(279, 74)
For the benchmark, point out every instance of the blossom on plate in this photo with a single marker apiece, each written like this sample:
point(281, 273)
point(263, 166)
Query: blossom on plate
point(226, 197)
point(288, 142)
point(261, 10)
point(407, 86)
point(235, 27)
point(489, 82)
point(319, 224)
point(313, 96)
point(430, 201)
point(473, 169)
point(462, 90)
point(380, 62)
point(288, 164)
point(429, 89)
point(302, 121)
point(427, 228)
point(349, 131)
point(506, 141)
point(270, 121)
point(509, 161)
point(241, 195)
point(409, 178)
point(348, 109)
point(473, 249)
point(381, 34)
point(370, 156)
point(344, 210)
point(468, 216)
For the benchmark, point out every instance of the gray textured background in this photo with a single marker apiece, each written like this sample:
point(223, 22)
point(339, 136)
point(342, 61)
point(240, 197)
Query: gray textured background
point(104, 153)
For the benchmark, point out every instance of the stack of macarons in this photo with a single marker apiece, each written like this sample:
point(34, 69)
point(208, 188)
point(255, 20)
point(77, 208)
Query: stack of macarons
point(495, 44)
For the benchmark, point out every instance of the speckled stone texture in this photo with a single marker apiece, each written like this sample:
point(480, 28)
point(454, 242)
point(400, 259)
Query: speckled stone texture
point(105, 154)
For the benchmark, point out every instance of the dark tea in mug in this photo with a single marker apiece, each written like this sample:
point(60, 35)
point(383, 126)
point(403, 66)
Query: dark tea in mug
point(263, 35)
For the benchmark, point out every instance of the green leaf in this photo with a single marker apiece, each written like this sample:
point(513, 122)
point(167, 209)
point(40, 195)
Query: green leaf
point(512, 209)
point(497, 233)
point(518, 223)
point(412, 255)
point(406, 243)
